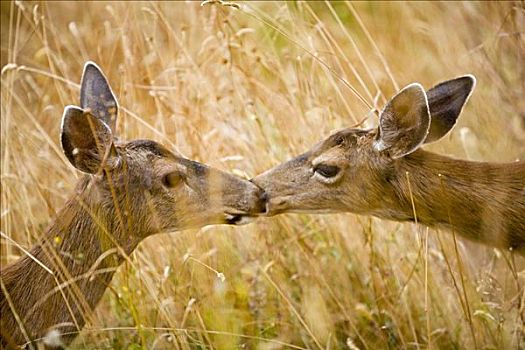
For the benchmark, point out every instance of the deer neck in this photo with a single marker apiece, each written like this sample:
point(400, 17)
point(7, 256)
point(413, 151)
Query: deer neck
point(81, 251)
point(480, 201)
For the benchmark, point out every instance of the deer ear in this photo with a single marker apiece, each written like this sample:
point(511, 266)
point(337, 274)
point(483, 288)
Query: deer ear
point(445, 102)
point(86, 141)
point(97, 97)
point(404, 122)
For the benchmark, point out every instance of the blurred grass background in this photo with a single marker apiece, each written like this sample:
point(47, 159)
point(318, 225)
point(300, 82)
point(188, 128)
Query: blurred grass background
point(244, 88)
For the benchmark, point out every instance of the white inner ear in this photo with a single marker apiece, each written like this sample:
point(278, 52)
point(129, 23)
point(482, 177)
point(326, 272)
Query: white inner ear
point(413, 102)
point(379, 145)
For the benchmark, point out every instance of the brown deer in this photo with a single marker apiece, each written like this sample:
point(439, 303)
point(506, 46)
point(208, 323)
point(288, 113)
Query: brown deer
point(385, 173)
point(131, 190)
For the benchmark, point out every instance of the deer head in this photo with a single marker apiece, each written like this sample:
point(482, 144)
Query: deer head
point(131, 189)
point(351, 169)
point(147, 187)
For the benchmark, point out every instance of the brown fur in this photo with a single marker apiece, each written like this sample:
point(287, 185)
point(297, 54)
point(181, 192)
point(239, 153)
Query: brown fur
point(379, 172)
point(71, 246)
point(481, 201)
point(132, 190)
point(95, 223)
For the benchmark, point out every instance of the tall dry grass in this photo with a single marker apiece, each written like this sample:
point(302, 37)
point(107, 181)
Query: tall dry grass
point(244, 89)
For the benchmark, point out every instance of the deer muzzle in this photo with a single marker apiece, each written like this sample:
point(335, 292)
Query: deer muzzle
point(244, 201)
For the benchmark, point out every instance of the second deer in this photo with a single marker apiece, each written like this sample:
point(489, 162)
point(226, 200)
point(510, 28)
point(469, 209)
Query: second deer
point(130, 190)
point(385, 173)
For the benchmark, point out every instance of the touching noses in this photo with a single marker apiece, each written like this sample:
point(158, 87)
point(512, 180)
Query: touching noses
point(275, 201)
point(262, 199)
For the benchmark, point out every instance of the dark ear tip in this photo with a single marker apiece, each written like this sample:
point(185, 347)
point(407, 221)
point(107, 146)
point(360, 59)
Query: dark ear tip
point(469, 80)
point(91, 65)
point(69, 111)
point(413, 88)
point(91, 69)
point(72, 108)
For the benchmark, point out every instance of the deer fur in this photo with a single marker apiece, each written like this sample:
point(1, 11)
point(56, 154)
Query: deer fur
point(131, 190)
point(385, 173)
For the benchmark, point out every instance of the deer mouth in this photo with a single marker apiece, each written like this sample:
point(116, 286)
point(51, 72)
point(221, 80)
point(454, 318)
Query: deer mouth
point(289, 204)
point(238, 219)
point(236, 216)
point(278, 205)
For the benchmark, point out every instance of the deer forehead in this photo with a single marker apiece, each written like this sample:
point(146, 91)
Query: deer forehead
point(338, 146)
point(147, 151)
point(333, 155)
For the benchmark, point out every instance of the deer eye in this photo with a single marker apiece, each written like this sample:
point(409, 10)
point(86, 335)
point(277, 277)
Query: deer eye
point(172, 179)
point(327, 170)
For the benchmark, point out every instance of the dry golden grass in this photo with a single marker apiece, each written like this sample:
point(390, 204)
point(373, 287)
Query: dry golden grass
point(243, 90)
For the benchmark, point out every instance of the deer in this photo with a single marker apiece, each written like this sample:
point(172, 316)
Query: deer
point(129, 190)
point(384, 172)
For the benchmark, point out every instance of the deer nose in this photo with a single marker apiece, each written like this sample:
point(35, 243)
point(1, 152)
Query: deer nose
point(262, 198)
point(264, 201)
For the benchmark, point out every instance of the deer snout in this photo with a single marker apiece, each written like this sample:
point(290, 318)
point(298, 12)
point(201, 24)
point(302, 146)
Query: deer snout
point(246, 202)
point(275, 202)
point(264, 201)
point(259, 199)
point(277, 205)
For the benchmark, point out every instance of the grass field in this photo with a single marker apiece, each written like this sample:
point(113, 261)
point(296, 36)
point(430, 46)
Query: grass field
point(244, 87)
